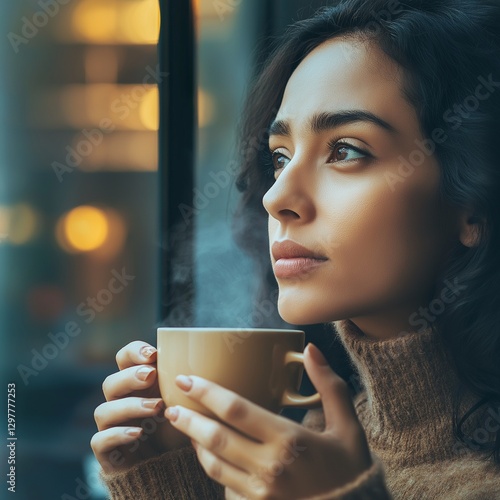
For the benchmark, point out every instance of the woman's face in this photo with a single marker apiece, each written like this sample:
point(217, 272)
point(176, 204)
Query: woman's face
point(374, 230)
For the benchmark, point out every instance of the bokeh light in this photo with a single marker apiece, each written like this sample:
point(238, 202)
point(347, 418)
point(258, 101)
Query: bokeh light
point(95, 20)
point(116, 22)
point(19, 224)
point(85, 228)
point(206, 108)
point(139, 22)
point(149, 110)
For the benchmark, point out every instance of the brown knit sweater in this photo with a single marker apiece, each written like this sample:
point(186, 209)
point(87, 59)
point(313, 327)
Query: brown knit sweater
point(406, 411)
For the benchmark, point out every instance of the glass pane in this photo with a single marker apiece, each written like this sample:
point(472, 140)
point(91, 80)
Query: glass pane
point(229, 32)
point(224, 276)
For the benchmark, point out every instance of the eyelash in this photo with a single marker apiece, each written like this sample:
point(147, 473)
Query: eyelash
point(339, 142)
point(332, 145)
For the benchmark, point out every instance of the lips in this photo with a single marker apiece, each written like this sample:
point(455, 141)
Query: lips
point(292, 259)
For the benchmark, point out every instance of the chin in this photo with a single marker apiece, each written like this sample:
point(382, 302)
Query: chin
point(308, 307)
point(294, 319)
point(301, 313)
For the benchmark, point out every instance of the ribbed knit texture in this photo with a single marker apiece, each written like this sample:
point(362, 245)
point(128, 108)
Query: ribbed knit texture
point(406, 411)
point(176, 475)
point(408, 395)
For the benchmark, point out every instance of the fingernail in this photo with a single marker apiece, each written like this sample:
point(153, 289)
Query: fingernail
point(143, 372)
point(133, 431)
point(152, 404)
point(147, 351)
point(317, 355)
point(185, 383)
point(172, 413)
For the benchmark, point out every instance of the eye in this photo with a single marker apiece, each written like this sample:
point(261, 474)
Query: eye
point(343, 151)
point(279, 160)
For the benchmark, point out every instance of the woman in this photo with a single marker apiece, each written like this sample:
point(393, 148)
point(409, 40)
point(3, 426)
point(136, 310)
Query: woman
point(382, 120)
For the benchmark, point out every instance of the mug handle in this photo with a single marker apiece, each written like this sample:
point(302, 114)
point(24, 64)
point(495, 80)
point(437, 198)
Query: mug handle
point(294, 398)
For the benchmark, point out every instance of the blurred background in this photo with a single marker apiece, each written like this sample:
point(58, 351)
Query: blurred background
point(91, 256)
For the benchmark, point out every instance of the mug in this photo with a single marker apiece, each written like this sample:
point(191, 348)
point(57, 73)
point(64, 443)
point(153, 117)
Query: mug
point(263, 365)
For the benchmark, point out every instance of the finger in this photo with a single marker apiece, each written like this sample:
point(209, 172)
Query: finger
point(135, 353)
point(114, 413)
point(216, 437)
point(240, 413)
point(340, 414)
point(104, 442)
point(225, 473)
point(126, 381)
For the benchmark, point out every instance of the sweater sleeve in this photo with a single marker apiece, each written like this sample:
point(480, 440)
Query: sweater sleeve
point(178, 475)
point(370, 485)
point(175, 475)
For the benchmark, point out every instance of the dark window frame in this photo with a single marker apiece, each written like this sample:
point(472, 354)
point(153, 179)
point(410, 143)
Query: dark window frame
point(177, 136)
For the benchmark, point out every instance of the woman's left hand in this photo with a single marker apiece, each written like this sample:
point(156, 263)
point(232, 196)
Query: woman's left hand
point(258, 454)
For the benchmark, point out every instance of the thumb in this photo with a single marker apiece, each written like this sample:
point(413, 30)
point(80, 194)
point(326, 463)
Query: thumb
point(338, 407)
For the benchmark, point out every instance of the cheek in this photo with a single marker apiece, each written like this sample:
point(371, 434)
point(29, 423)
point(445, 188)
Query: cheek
point(386, 245)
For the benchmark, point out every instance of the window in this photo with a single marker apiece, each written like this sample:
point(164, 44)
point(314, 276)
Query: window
point(78, 217)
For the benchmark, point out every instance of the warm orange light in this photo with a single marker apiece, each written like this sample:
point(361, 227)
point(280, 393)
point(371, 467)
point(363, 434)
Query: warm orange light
point(149, 110)
point(139, 22)
point(85, 228)
point(95, 20)
point(116, 22)
point(86, 106)
point(206, 108)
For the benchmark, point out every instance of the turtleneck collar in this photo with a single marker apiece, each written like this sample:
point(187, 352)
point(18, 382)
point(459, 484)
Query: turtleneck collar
point(407, 409)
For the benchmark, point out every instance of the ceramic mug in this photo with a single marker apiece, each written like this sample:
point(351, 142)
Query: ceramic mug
point(262, 365)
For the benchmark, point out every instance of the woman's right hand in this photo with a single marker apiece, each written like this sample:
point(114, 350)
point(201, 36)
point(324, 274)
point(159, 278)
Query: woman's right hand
point(131, 423)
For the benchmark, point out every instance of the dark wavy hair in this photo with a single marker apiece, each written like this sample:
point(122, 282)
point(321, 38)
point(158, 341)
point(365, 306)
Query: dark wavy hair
point(447, 48)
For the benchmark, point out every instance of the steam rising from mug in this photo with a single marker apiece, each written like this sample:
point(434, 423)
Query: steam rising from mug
point(226, 284)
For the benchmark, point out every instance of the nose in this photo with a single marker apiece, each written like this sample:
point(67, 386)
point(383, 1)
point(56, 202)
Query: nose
point(289, 199)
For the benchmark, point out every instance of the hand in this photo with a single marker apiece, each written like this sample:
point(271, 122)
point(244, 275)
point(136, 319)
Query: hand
point(258, 454)
point(131, 425)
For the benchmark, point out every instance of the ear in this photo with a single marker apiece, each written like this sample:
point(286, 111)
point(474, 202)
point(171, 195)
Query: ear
point(469, 232)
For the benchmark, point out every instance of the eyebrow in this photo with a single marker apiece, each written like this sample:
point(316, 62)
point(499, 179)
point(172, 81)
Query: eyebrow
point(326, 121)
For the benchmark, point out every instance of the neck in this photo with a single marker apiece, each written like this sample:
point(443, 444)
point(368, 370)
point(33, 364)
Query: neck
point(388, 326)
